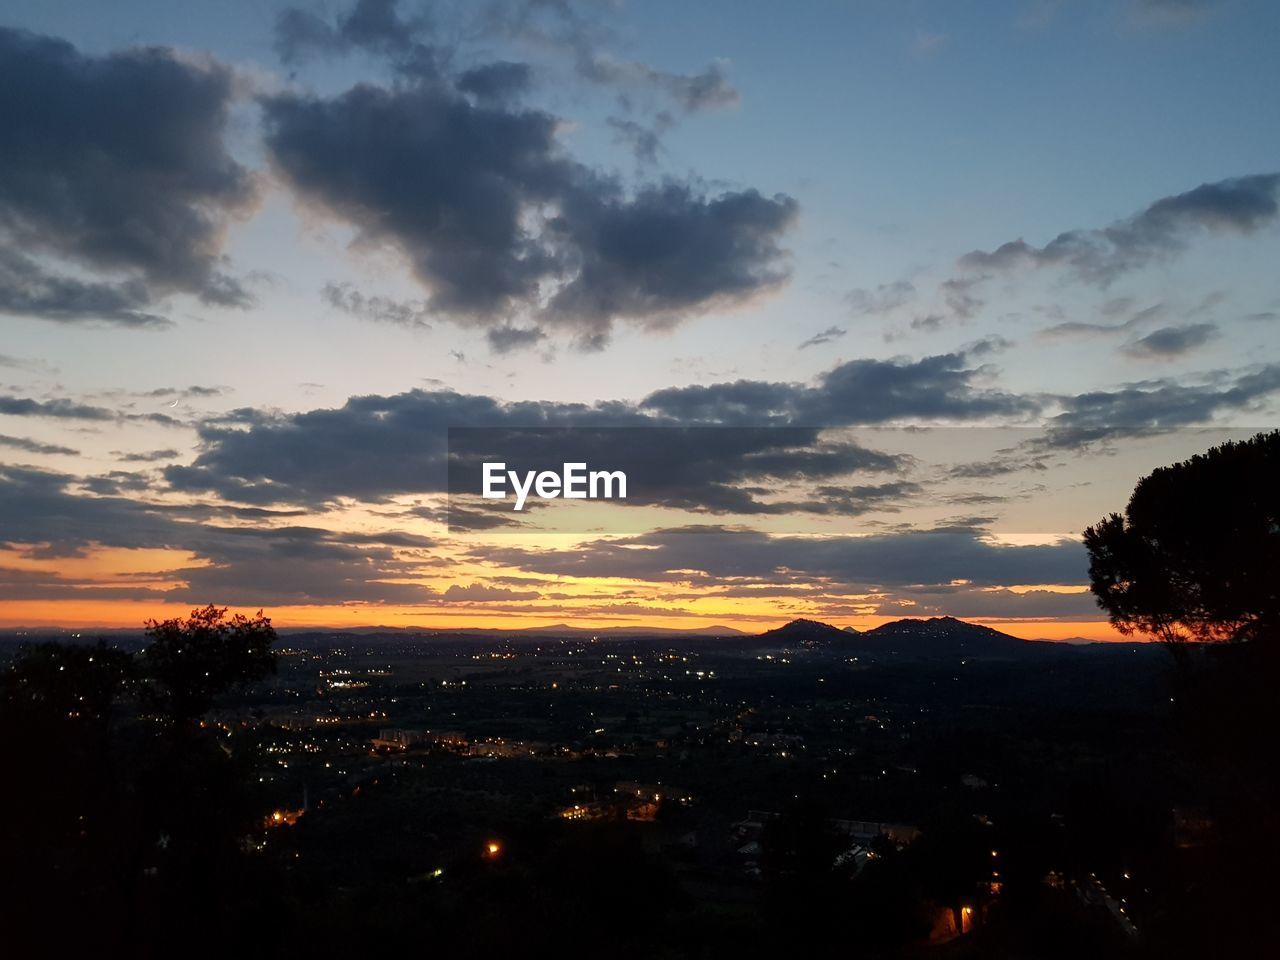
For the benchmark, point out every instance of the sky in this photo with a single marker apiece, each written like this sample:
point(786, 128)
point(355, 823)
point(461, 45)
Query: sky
point(904, 294)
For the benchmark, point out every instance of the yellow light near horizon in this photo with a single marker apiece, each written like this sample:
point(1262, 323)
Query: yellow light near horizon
point(111, 614)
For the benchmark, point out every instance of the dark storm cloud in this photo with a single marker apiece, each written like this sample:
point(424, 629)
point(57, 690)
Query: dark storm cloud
point(888, 560)
point(1169, 343)
point(115, 164)
point(490, 212)
point(400, 313)
point(1240, 205)
point(27, 445)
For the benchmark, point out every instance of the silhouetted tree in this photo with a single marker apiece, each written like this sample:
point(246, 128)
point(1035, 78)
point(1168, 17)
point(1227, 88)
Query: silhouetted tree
point(131, 826)
point(192, 660)
point(1196, 554)
point(57, 709)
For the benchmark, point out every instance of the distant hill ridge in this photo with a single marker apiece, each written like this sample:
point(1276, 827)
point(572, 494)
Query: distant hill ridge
point(934, 637)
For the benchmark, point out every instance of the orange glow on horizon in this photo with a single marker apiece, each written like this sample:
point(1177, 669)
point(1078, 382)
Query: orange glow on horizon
point(756, 618)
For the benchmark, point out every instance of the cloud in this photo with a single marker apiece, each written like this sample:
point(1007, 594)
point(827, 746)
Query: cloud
point(34, 446)
point(371, 25)
point(415, 48)
point(644, 141)
point(62, 408)
point(1138, 318)
point(665, 252)
point(148, 456)
point(118, 167)
point(375, 447)
point(28, 290)
point(857, 392)
point(578, 32)
point(824, 336)
point(476, 592)
point(59, 408)
point(959, 297)
point(400, 313)
point(708, 89)
point(507, 339)
point(371, 447)
point(186, 393)
point(709, 553)
point(1168, 343)
point(984, 602)
point(496, 221)
point(995, 467)
point(499, 82)
point(1157, 404)
point(1240, 205)
point(881, 299)
point(43, 512)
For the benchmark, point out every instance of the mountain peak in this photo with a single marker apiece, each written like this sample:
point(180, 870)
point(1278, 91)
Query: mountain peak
point(806, 631)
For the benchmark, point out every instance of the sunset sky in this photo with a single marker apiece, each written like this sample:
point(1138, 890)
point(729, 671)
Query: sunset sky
point(997, 260)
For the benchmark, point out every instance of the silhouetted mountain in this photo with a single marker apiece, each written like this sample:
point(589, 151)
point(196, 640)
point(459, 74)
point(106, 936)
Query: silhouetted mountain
point(944, 637)
point(806, 633)
point(938, 638)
